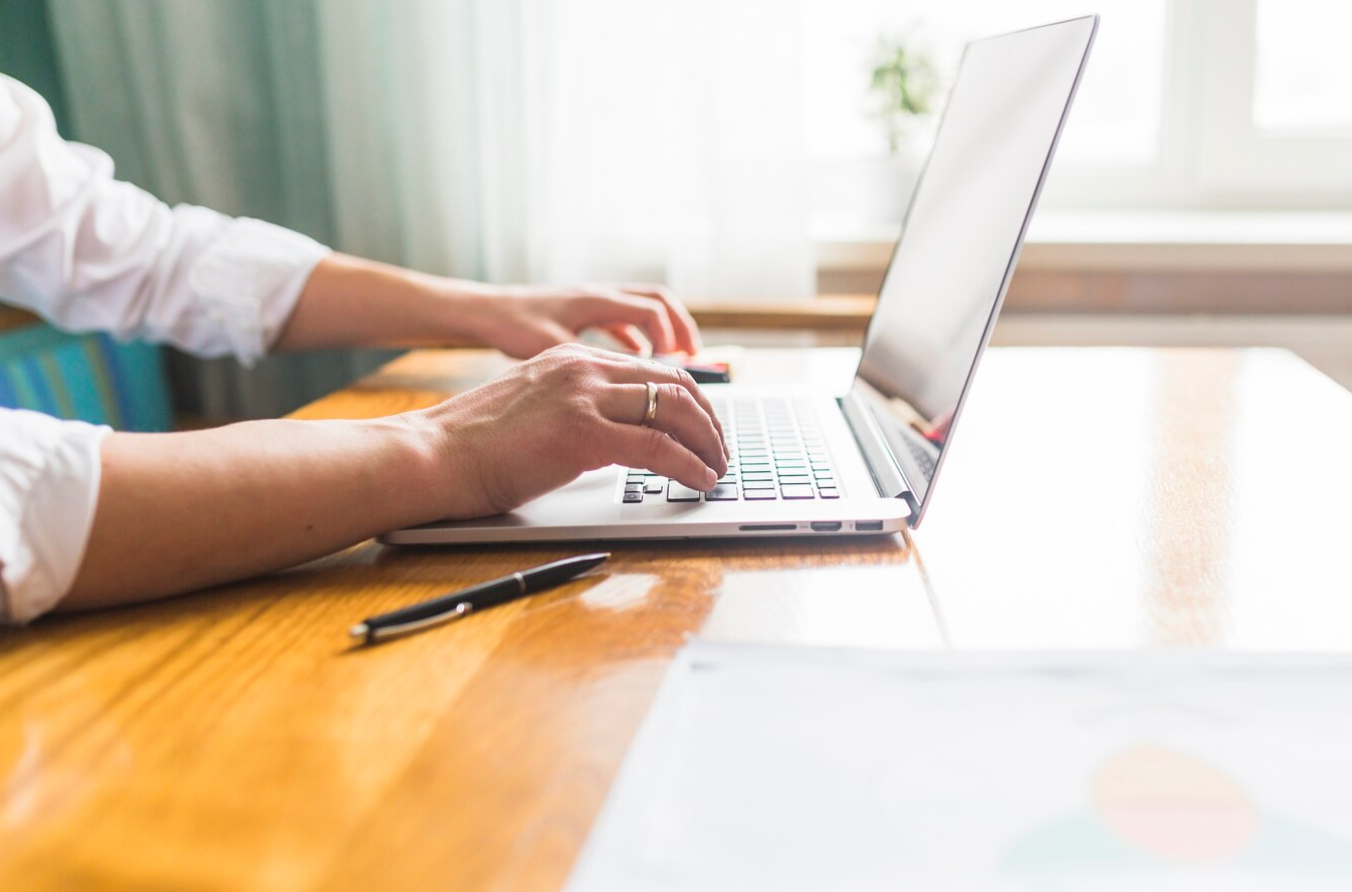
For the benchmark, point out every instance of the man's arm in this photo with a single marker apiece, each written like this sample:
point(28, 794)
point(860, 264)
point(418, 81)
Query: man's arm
point(182, 511)
point(178, 512)
point(348, 301)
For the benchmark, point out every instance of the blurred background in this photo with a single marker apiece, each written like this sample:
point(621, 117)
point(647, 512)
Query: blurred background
point(756, 155)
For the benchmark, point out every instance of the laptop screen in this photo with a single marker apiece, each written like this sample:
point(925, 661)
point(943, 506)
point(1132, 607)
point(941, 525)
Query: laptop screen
point(961, 237)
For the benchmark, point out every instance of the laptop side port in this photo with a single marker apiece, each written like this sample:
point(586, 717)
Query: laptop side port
point(869, 526)
point(826, 526)
point(767, 527)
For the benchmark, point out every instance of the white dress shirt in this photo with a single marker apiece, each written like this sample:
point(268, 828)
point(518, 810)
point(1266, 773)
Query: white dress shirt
point(89, 253)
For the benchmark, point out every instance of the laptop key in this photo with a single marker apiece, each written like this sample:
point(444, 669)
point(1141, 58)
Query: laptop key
point(829, 493)
point(655, 485)
point(679, 493)
point(721, 493)
point(632, 497)
point(758, 495)
point(633, 487)
point(796, 490)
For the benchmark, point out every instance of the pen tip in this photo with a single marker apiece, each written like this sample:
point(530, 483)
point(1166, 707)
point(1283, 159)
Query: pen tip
point(360, 630)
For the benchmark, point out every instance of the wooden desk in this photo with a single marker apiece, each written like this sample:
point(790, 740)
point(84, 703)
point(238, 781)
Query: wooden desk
point(847, 313)
point(12, 319)
point(230, 740)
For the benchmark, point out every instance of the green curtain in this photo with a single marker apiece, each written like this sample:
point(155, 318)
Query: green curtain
point(27, 53)
point(220, 103)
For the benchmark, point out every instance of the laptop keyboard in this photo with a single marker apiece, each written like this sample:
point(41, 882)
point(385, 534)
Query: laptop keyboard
point(777, 454)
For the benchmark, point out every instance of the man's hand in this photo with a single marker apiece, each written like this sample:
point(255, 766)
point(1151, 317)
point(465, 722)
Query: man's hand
point(185, 510)
point(569, 410)
point(523, 320)
point(348, 301)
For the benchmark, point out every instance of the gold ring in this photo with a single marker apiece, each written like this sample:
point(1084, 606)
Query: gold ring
point(650, 413)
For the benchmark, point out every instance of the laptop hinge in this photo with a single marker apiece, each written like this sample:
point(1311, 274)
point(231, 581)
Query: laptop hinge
point(887, 474)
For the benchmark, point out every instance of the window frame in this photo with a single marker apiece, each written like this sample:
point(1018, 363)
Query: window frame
point(1235, 158)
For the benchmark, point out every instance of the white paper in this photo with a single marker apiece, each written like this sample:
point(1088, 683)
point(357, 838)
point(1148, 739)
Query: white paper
point(791, 768)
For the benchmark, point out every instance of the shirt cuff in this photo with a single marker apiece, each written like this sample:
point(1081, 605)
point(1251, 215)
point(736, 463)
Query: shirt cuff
point(49, 486)
point(249, 279)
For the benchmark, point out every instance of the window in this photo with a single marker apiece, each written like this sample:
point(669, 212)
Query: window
point(1276, 120)
point(1117, 120)
point(1201, 104)
point(1300, 43)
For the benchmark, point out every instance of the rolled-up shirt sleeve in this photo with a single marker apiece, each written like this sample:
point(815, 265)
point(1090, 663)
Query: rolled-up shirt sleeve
point(49, 485)
point(90, 253)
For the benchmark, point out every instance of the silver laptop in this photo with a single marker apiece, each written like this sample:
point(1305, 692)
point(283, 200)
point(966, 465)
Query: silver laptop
point(866, 462)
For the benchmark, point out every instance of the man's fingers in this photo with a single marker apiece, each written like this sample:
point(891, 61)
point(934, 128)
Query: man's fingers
point(640, 372)
point(677, 414)
point(648, 314)
point(626, 337)
point(687, 332)
point(615, 368)
point(649, 448)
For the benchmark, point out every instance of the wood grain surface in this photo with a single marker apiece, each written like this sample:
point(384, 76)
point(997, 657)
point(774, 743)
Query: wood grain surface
point(12, 318)
point(827, 312)
point(232, 739)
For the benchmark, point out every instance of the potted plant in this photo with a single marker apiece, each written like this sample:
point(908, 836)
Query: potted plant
point(902, 86)
point(903, 82)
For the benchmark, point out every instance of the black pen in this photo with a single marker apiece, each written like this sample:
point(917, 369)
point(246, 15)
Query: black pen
point(476, 597)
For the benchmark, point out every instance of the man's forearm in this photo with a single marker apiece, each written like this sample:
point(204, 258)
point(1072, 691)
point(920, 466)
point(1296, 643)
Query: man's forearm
point(350, 302)
point(178, 512)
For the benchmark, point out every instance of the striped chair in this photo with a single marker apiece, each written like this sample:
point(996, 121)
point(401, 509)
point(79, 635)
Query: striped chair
point(90, 377)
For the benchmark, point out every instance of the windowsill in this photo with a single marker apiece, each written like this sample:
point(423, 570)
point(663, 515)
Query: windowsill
point(1191, 241)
